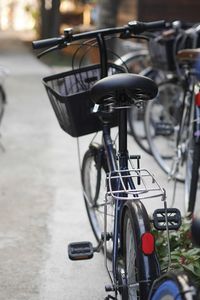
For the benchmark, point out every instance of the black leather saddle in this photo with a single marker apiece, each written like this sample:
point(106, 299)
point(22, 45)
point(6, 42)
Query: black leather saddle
point(123, 86)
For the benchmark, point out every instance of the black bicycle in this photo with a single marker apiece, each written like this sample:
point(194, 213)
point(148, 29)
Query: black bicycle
point(96, 98)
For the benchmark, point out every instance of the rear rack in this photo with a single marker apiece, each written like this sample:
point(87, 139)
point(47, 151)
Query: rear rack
point(133, 184)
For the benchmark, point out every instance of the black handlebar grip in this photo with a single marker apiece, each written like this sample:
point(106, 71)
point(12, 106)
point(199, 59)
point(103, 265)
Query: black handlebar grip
point(139, 27)
point(47, 42)
point(155, 25)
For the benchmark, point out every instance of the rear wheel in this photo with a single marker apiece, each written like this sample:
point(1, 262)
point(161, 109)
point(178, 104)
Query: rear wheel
point(141, 269)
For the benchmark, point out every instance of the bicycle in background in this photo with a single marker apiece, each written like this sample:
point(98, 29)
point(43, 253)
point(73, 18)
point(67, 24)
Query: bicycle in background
point(172, 120)
point(153, 58)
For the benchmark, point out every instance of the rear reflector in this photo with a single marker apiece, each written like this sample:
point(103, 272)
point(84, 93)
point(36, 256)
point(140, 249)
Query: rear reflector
point(197, 99)
point(148, 243)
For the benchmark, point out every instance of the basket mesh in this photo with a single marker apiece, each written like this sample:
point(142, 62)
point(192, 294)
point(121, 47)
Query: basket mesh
point(162, 53)
point(69, 96)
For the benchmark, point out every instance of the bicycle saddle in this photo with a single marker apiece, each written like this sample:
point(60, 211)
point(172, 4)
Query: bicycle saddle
point(188, 55)
point(119, 86)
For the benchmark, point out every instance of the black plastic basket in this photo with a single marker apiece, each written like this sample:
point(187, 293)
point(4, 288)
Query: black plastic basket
point(70, 99)
point(162, 54)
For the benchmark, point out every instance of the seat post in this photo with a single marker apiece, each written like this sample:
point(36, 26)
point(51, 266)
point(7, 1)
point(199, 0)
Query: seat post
point(123, 138)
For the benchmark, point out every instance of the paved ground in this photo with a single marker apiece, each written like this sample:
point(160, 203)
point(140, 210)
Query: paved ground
point(41, 207)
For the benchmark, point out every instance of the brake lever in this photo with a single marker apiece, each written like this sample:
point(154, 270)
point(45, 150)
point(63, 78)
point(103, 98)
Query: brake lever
point(54, 48)
point(127, 35)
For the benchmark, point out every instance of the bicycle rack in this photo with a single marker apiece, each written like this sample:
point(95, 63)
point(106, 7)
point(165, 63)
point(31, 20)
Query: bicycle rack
point(145, 185)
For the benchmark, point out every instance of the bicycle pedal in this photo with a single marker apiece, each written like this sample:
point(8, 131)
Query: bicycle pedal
point(110, 297)
point(163, 128)
point(80, 251)
point(172, 215)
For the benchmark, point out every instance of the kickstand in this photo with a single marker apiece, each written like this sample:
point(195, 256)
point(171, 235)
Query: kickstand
point(174, 193)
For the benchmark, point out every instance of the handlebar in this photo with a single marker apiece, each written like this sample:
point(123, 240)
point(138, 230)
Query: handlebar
point(133, 27)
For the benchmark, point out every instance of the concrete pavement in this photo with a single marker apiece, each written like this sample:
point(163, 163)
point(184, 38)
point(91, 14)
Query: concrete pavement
point(41, 206)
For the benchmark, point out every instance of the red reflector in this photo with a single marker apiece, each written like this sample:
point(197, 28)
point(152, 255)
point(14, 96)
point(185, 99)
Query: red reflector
point(148, 243)
point(197, 99)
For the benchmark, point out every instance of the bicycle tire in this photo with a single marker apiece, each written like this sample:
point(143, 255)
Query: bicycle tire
point(136, 115)
point(192, 160)
point(135, 61)
point(2, 102)
point(93, 173)
point(137, 130)
point(162, 116)
point(192, 176)
point(173, 287)
point(140, 269)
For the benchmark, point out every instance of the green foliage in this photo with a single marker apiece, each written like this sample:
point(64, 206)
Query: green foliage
point(184, 255)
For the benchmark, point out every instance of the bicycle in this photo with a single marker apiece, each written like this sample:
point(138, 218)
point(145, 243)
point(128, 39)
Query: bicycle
point(124, 234)
point(168, 121)
point(162, 69)
point(189, 146)
point(182, 137)
point(148, 64)
point(162, 126)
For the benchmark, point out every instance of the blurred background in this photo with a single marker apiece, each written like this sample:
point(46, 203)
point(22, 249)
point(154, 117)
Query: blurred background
point(45, 18)
point(41, 206)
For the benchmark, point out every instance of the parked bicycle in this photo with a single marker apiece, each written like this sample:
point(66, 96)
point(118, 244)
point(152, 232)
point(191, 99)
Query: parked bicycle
point(172, 124)
point(96, 98)
point(162, 114)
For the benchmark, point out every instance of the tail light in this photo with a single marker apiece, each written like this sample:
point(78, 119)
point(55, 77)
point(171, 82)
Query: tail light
point(148, 243)
point(197, 99)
